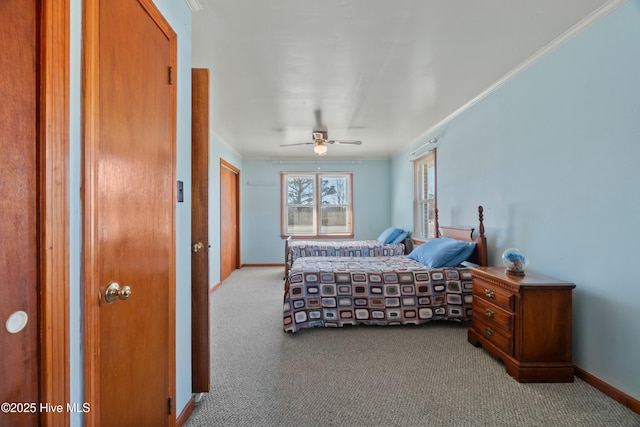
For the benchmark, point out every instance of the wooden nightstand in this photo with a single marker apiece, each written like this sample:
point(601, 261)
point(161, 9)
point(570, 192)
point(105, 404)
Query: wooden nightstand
point(525, 321)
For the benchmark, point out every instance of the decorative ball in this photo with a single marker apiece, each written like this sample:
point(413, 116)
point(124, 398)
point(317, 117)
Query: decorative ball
point(515, 261)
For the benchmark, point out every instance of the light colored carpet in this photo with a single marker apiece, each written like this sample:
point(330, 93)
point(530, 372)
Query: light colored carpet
point(425, 375)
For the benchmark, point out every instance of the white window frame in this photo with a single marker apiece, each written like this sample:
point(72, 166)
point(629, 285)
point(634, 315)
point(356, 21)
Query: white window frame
point(317, 232)
point(424, 201)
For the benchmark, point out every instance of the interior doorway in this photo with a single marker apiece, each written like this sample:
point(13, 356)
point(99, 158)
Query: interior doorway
point(129, 196)
point(229, 219)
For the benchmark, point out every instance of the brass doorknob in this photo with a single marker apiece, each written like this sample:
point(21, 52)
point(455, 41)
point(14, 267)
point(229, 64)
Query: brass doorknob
point(114, 291)
point(197, 247)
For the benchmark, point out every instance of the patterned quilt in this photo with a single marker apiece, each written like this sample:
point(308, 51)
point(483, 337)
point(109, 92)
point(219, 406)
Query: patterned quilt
point(345, 248)
point(338, 291)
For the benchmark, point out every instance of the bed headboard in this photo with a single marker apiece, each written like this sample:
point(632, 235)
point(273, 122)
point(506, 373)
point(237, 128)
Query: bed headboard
point(480, 255)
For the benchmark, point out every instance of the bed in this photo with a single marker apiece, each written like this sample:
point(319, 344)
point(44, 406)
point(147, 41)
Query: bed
point(393, 290)
point(388, 244)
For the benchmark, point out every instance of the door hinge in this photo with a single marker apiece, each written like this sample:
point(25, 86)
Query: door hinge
point(170, 75)
point(170, 405)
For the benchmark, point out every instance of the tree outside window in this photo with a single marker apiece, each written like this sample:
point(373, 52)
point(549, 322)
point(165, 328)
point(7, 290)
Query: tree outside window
point(317, 205)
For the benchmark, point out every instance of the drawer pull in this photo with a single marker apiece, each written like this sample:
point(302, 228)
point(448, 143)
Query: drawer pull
point(489, 331)
point(489, 313)
point(489, 293)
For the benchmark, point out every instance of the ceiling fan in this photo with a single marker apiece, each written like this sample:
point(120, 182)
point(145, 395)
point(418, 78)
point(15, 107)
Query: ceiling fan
point(320, 142)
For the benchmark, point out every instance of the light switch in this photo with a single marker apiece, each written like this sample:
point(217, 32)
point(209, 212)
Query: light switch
point(180, 192)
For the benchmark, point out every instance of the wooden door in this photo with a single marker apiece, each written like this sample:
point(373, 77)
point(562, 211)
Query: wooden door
point(200, 349)
point(129, 213)
point(34, 366)
point(229, 219)
point(19, 213)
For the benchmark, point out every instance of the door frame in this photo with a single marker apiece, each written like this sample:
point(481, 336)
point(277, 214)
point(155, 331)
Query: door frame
point(54, 208)
point(90, 128)
point(226, 165)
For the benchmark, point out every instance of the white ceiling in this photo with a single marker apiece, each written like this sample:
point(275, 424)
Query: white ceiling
point(381, 71)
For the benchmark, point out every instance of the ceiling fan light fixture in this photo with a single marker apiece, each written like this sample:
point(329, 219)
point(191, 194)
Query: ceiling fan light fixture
point(320, 149)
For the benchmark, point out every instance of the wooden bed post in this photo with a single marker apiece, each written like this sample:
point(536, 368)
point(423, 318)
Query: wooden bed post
point(437, 233)
point(482, 240)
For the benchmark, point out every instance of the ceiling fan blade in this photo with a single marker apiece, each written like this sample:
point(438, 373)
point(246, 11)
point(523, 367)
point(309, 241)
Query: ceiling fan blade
point(348, 141)
point(297, 143)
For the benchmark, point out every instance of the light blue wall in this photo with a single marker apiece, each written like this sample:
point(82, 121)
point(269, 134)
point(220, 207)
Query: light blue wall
point(261, 241)
point(179, 17)
point(75, 218)
point(402, 191)
point(553, 157)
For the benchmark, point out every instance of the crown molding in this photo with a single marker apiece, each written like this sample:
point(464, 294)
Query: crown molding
point(194, 5)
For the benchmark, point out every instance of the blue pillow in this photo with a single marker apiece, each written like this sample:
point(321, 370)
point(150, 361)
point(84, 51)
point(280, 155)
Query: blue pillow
point(444, 252)
point(464, 255)
point(389, 234)
point(400, 237)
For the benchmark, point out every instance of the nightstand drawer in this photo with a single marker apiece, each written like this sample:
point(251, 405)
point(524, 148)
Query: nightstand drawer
point(525, 321)
point(495, 294)
point(493, 315)
point(502, 340)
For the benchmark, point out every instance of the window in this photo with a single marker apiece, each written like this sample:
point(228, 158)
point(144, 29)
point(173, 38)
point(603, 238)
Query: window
point(424, 202)
point(317, 205)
